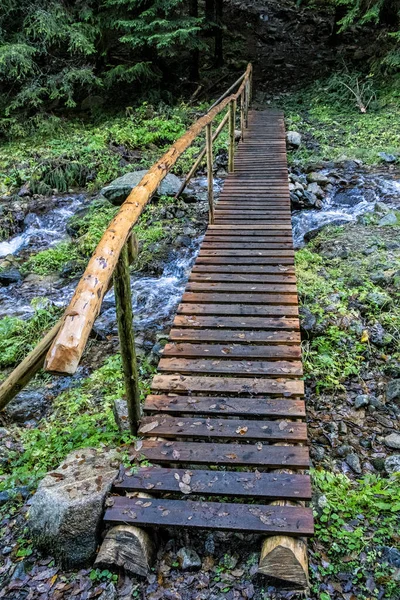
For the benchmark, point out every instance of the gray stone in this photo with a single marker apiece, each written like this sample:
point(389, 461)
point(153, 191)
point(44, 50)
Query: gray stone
point(30, 404)
point(342, 428)
point(389, 219)
point(316, 177)
point(393, 391)
point(392, 464)
point(378, 298)
point(314, 188)
point(119, 189)
point(376, 403)
point(354, 463)
point(382, 208)
point(307, 319)
point(66, 511)
point(110, 593)
point(293, 138)
point(393, 441)
point(120, 410)
point(8, 276)
point(388, 158)
point(361, 400)
point(317, 453)
point(188, 559)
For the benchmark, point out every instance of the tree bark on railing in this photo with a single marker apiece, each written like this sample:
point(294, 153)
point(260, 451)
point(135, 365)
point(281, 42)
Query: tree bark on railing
point(67, 349)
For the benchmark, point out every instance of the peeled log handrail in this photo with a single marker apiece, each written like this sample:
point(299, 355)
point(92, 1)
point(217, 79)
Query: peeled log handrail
point(67, 349)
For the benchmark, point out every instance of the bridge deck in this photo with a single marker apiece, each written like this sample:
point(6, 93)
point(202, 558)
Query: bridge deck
point(226, 416)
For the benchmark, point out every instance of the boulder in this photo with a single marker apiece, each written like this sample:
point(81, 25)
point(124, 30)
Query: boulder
point(293, 138)
point(393, 391)
point(119, 189)
point(67, 509)
point(320, 178)
point(314, 188)
point(8, 276)
point(388, 158)
point(389, 219)
point(392, 464)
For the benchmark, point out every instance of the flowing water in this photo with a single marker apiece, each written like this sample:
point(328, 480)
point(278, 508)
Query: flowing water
point(344, 206)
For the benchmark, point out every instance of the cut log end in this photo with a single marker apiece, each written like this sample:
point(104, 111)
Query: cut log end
point(129, 548)
point(285, 559)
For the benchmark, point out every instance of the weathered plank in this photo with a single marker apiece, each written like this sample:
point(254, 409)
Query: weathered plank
point(230, 335)
point(251, 518)
point(225, 366)
point(215, 483)
point(229, 385)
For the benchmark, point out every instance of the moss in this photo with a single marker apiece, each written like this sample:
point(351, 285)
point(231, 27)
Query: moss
point(333, 127)
point(350, 292)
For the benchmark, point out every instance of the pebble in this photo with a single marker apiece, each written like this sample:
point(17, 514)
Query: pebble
point(361, 400)
point(354, 463)
point(393, 441)
point(342, 428)
point(6, 550)
point(393, 391)
point(188, 559)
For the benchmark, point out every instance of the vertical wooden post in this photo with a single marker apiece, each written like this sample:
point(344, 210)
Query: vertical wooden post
point(242, 113)
point(232, 123)
point(247, 104)
point(123, 300)
point(210, 177)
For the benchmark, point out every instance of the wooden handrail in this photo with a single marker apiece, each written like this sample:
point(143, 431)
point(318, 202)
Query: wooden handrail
point(69, 344)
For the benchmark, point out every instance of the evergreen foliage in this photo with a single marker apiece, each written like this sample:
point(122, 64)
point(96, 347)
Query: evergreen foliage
point(54, 53)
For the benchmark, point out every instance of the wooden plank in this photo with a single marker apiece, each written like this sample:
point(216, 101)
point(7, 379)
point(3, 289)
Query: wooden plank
point(242, 322)
point(231, 351)
point(237, 455)
point(242, 277)
point(252, 288)
point(238, 430)
point(245, 260)
point(253, 227)
point(199, 268)
point(224, 366)
point(240, 336)
point(210, 244)
point(239, 298)
point(253, 518)
point(228, 406)
point(215, 483)
point(227, 385)
point(263, 310)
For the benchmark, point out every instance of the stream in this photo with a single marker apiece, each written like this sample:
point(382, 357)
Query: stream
point(154, 298)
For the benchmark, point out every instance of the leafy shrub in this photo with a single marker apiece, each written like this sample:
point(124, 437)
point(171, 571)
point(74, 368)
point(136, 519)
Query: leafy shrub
point(18, 337)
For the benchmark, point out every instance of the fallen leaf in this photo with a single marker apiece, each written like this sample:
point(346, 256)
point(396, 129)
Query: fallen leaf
point(242, 430)
point(148, 427)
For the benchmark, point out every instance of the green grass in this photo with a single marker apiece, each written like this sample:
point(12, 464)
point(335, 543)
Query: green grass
point(81, 417)
point(345, 301)
point(62, 154)
point(18, 337)
point(353, 520)
point(336, 127)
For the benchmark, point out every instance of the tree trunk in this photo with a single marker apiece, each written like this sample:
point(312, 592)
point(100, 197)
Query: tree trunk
point(210, 15)
point(219, 54)
point(195, 54)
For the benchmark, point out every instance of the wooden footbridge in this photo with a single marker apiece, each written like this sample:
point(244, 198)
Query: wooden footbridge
point(224, 427)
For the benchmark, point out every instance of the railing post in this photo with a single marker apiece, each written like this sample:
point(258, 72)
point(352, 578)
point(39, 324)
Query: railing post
point(210, 177)
point(247, 104)
point(123, 300)
point(242, 113)
point(232, 123)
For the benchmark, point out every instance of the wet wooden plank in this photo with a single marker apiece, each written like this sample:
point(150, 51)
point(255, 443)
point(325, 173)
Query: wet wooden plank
point(293, 520)
point(261, 310)
point(239, 430)
point(199, 268)
point(245, 260)
point(250, 288)
point(215, 483)
point(228, 385)
point(236, 455)
point(225, 366)
point(242, 322)
point(240, 298)
point(230, 335)
point(228, 406)
point(231, 351)
point(242, 277)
